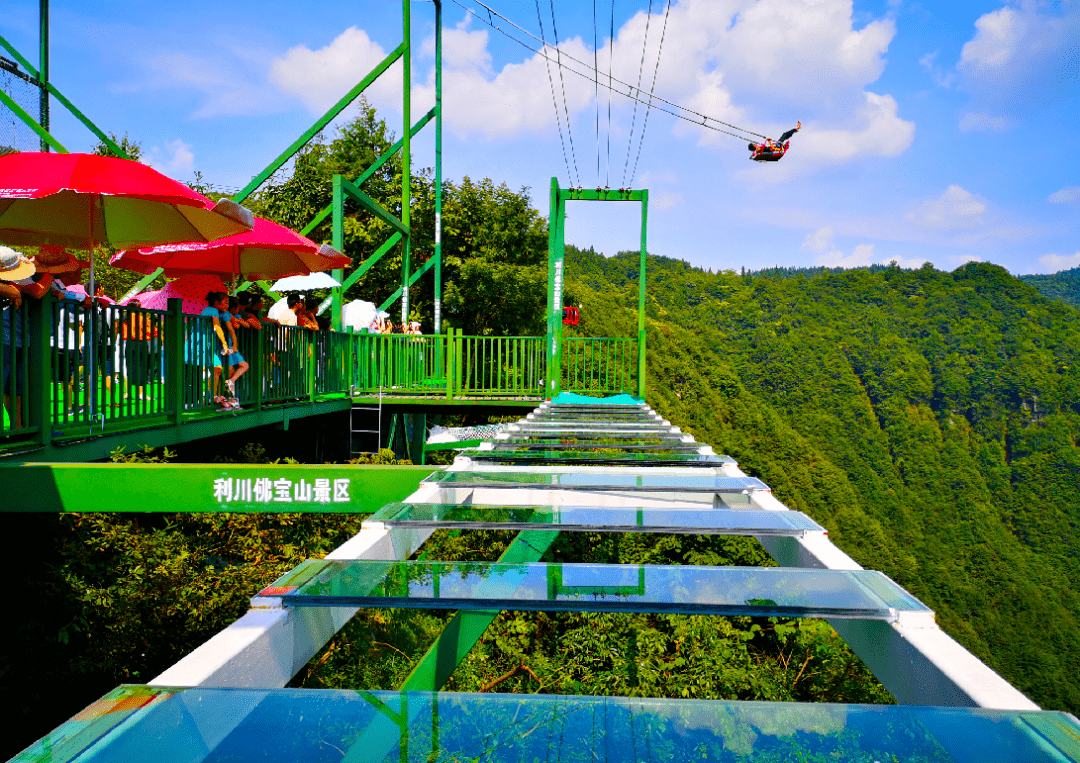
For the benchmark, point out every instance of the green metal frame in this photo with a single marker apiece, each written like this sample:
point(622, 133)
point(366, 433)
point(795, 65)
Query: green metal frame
point(352, 188)
point(200, 488)
point(556, 272)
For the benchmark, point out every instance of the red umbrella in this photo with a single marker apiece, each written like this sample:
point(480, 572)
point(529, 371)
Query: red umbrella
point(268, 251)
point(80, 200)
point(192, 289)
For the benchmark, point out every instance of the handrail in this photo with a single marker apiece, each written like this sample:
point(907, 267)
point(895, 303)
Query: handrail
point(69, 370)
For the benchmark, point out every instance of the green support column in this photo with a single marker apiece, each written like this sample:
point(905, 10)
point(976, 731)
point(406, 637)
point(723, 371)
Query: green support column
point(337, 235)
point(39, 369)
point(43, 71)
point(550, 341)
point(467, 626)
point(641, 296)
point(406, 155)
point(175, 383)
point(560, 277)
point(437, 325)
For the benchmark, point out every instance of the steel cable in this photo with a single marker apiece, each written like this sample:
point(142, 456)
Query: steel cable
point(633, 119)
point(701, 120)
point(562, 84)
point(551, 82)
point(648, 108)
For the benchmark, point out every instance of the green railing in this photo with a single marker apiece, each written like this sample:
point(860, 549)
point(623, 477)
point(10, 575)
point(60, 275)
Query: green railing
point(505, 365)
point(68, 370)
point(599, 366)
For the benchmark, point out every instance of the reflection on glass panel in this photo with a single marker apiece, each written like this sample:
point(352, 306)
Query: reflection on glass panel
point(573, 444)
point(598, 459)
point(326, 726)
point(598, 519)
point(643, 437)
point(731, 591)
point(676, 483)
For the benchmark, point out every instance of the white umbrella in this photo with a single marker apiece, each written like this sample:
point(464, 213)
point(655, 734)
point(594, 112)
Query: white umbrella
point(358, 314)
point(278, 309)
point(305, 283)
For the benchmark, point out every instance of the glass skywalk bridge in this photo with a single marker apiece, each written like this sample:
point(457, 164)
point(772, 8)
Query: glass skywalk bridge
point(225, 701)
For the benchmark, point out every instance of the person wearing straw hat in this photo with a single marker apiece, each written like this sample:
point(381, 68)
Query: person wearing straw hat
point(13, 267)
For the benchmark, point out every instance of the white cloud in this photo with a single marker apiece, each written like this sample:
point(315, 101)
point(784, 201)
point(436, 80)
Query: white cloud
point(956, 208)
point(819, 240)
point(321, 77)
point(726, 58)
point(1020, 57)
point(1055, 262)
point(859, 258)
point(176, 159)
point(1065, 195)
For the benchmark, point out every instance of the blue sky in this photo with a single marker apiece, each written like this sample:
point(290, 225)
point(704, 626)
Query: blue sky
point(941, 132)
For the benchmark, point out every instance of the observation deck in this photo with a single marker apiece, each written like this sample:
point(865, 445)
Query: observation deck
point(226, 699)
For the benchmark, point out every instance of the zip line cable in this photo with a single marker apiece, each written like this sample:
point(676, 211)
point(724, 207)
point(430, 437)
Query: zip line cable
point(696, 117)
point(648, 108)
point(551, 82)
point(562, 84)
point(633, 119)
point(611, 58)
point(596, 92)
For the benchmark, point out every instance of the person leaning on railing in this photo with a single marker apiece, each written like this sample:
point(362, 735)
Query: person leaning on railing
point(20, 277)
point(217, 310)
point(140, 335)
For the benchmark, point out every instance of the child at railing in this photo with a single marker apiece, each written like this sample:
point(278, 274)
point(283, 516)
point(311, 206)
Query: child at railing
point(217, 310)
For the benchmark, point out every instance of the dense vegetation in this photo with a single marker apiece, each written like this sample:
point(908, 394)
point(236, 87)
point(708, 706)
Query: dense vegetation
point(1063, 286)
point(928, 419)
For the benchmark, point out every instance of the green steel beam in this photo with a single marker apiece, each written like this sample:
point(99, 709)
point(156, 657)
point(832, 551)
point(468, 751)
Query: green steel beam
point(373, 206)
point(641, 296)
point(437, 323)
point(113, 146)
point(322, 122)
point(75, 112)
point(412, 279)
point(19, 57)
point(467, 626)
point(41, 132)
point(364, 267)
point(406, 153)
point(155, 433)
point(203, 488)
point(603, 194)
point(43, 69)
point(322, 215)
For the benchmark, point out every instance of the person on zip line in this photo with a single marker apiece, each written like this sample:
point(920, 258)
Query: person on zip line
point(772, 151)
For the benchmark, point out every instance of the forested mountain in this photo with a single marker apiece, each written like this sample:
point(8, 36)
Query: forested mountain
point(928, 419)
point(1064, 285)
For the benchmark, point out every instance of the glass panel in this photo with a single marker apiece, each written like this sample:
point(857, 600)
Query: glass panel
point(542, 443)
point(598, 459)
point(597, 519)
point(325, 725)
point(625, 437)
point(685, 589)
point(590, 424)
point(676, 483)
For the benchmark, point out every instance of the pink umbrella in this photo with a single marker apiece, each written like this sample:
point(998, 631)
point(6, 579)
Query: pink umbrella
point(268, 251)
point(192, 289)
point(143, 297)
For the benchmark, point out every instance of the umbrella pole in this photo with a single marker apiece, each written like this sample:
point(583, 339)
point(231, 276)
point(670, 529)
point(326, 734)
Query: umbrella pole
point(91, 346)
